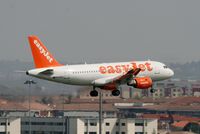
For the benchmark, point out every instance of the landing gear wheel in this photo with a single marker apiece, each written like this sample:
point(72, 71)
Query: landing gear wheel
point(93, 93)
point(152, 90)
point(116, 92)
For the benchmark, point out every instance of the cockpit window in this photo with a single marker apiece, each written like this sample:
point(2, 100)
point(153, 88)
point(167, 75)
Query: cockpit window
point(165, 67)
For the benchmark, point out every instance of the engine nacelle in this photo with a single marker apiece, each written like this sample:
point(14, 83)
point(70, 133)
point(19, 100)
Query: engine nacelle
point(141, 82)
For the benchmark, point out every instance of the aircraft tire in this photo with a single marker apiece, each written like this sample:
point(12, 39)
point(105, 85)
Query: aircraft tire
point(116, 92)
point(152, 90)
point(93, 93)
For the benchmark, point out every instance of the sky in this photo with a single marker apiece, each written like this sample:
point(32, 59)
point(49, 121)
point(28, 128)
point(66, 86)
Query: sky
point(102, 31)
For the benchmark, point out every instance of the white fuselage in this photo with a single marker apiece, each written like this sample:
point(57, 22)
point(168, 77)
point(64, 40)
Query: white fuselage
point(86, 74)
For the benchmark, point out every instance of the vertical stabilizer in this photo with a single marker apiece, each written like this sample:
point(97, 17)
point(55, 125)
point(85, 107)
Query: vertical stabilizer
point(41, 56)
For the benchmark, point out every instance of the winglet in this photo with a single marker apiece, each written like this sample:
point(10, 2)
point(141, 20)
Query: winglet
point(41, 56)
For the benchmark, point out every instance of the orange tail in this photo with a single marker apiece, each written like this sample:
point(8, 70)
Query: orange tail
point(42, 57)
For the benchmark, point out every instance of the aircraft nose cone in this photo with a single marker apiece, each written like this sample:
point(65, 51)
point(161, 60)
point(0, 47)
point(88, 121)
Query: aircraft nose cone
point(171, 73)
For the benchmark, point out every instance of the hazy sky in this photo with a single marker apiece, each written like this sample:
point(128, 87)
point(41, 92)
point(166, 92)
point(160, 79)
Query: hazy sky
point(103, 30)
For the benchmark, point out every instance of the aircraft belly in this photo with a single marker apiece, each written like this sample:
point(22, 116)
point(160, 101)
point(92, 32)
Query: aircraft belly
point(82, 80)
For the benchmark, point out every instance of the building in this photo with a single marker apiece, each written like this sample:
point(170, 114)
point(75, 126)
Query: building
point(10, 125)
point(113, 126)
point(173, 88)
point(43, 125)
point(159, 93)
point(87, 125)
point(196, 89)
point(176, 92)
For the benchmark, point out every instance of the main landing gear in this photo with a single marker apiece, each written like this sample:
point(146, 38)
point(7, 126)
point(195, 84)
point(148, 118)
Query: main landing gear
point(115, 92)
point(94, 92)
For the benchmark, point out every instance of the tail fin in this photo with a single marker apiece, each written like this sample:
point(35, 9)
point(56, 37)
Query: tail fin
point(41, 56)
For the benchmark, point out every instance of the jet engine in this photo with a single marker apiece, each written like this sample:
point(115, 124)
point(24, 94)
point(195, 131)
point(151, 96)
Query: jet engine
point(141, 82)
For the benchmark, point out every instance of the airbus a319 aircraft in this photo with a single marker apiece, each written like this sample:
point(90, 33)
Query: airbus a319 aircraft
point(107, 76)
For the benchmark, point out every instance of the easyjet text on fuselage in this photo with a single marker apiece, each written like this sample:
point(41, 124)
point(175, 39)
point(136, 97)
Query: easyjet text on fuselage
point(112, 69)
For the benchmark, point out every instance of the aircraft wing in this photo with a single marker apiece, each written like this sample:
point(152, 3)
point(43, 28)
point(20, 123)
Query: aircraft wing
point(121, 78)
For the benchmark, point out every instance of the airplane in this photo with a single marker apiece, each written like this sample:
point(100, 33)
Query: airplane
point(106, 76)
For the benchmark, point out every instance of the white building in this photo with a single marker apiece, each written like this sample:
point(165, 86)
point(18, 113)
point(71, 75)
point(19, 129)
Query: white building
point(113, 126)
point(43, 125)
point(10, 125)
point(78, 123)
point(176, 92)
point(159, 93)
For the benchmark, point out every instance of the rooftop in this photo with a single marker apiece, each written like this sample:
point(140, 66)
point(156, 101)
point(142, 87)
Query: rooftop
point(175, 117)
point(86, 107)
point(180, 124)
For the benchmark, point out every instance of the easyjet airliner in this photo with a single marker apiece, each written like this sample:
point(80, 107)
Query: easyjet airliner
point(107, 76)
